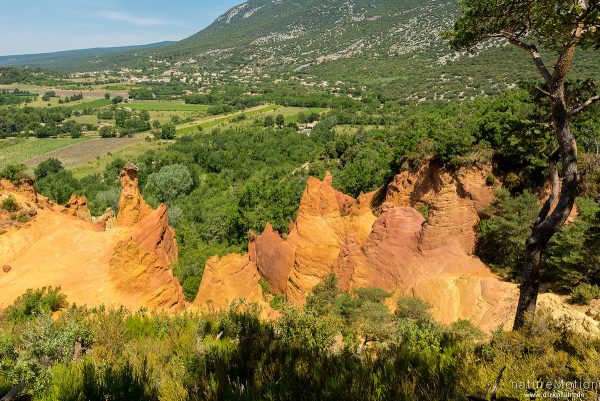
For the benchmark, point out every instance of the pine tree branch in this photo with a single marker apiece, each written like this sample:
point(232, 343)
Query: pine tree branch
point(581, 107)
point(537, 57)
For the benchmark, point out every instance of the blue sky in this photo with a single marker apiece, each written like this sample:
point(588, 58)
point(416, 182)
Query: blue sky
point(35, 26)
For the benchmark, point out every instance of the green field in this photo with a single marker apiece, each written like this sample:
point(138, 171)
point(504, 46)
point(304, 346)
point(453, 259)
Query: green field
point(156, 105)
point(215, 121)
point(116, 87)
point(20, 150)
point(128, 152)
point(94, 104)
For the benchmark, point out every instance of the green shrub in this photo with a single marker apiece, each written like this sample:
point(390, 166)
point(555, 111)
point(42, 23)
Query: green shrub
point(108, 131)
point(168, 131)
point(58, 186)
point(583, 294)
point(502, 236)
point(10, 204)
point(412, 308)
point(13, 172)
point(91, 382)
point(191, 286)
point(47, 167)
point(278, 302)
point(169, 183)
point(22, 218)
point(35, 302)
point(265, 286)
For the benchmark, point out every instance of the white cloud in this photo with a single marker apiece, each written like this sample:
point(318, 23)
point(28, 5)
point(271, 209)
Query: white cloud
point(135, 20)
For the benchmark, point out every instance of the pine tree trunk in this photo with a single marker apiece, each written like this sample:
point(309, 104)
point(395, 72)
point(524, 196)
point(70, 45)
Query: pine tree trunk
point(547, 224)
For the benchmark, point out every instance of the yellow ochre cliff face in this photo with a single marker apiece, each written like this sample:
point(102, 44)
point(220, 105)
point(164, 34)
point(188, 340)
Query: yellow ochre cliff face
point(128, 265)
point(378, 240)
point(386, 244)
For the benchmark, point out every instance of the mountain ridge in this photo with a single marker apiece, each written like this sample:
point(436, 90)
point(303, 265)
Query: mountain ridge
point(46, 58)
point(395, 47)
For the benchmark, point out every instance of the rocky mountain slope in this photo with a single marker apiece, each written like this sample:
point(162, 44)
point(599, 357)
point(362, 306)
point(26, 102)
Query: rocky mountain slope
point(392, 46)
point(302, 33)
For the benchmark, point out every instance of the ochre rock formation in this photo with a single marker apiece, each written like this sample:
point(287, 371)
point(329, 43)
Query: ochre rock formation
point(132, 206)
point(127, 265)
point(326, 218)
point(108, 219)
point(227, 279)
point(386, 244)
point(416, 237)
point(77, 206)
point(274, 257)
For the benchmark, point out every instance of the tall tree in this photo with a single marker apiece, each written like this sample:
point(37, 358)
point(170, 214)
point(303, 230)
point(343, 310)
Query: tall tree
point(560, 26)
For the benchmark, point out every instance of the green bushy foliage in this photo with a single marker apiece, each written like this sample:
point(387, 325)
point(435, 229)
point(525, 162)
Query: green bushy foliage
point(35, 302)
point(502, 236)
point(13, 172)
point(10, 204)
point(572, 257)
point(108, 131)
point(58, 186)
point(583, 294)
point(91, 382)
point(236, 356)
point(414, 309)
point(191, 286)
point(47, 167)
point(169, 183)
point(167, 131)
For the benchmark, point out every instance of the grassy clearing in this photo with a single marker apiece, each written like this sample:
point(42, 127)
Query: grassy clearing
point(94, 104)
point(164, 116)
point(290, 113)
point(128, 153)
point(116, 87)
point(215, 121)
point(86, 119)
point(20, 150)
point(82, 153)
point(155, 105)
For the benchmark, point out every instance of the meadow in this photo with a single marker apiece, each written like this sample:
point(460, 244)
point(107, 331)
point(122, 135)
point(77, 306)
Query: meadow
point(215, 121)
point(21, 150)
point(159, 105)
point(87, 104)
point(126, 151)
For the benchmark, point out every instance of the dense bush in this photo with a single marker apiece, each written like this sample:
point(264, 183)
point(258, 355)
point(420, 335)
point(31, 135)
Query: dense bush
point(306, 354)
point(47, 167)
point(170, 183)
point(13, 172)
point(58, 186)
point(583, 294)
point(9, 204)
point(35, 303)
point(108, 131)
point(503, 235)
